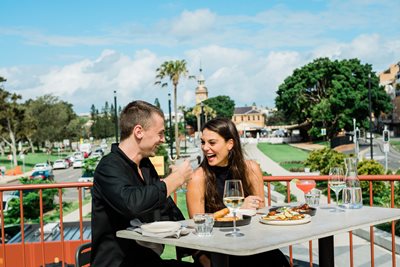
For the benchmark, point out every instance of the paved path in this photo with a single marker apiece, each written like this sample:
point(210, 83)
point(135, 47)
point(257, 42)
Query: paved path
point(361, 247)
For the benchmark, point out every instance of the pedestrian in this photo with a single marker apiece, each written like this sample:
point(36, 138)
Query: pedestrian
point(223, 160)
point(127, 187)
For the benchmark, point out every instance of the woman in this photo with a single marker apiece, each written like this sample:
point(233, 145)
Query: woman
point(223, 160)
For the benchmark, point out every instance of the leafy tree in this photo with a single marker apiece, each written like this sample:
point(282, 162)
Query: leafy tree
point(173, 70)
point(277, 118)
point(103, 123)
point(11, 120)
point(31, 203)
point(223, 106)
point(329, 94)
point(323, 159)
point(53, 119)
point(381, 192)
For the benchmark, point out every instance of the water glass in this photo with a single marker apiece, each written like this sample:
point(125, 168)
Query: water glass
point(204, 223)
point(312, 198)
point(352, 198)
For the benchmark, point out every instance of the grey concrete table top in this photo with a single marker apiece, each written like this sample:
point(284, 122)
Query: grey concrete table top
point(261, 237)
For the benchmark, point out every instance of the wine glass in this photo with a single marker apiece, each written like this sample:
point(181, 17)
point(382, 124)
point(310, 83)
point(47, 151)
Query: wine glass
point(336, 183)
point(233, 198)
point(305, 185)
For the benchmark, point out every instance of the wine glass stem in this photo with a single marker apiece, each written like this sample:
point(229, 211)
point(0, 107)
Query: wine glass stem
point(234, 221)
point(337, 200)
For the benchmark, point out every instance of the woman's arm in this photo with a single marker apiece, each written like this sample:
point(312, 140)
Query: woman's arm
point(196, 193)
point(255, 179)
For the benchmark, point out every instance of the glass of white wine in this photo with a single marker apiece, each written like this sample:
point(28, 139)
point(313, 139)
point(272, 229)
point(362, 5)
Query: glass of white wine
point(336, 183)
point(233, 198)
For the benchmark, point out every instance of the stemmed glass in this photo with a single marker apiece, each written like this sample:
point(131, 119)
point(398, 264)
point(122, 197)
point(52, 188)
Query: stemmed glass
point(305, 185)
point(233, 198)
point(336, 183)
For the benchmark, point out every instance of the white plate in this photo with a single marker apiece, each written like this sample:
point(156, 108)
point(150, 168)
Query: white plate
point(306, 219)
point(161, 227)
point(247, 212)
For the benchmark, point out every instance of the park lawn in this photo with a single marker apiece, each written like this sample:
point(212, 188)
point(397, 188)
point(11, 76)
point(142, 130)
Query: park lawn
point(31, 159)
point(282, 152)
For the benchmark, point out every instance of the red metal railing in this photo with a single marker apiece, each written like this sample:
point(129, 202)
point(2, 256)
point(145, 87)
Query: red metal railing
point(44, 246)
point(67, 250)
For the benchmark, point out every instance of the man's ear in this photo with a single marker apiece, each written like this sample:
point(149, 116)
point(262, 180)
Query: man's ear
point(138, 131)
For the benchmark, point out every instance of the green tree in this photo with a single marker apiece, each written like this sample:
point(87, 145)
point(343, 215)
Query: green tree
point(329, 94)
point(223, 105)
point(55, 120)
point(11, 120)
point(323, 159)
point(173, 71)
point(31, 203)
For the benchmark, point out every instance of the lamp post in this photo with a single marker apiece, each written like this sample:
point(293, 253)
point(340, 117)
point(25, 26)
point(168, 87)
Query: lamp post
point(115, 116)
point(370, 117)
point(202, 115)
point(170, 124)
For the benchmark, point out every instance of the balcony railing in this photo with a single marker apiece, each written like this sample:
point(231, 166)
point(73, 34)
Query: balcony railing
point(42, 251)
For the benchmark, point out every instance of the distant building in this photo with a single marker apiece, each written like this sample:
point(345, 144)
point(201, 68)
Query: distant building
point(390, 79)
point(201, 89)
point(249, 120)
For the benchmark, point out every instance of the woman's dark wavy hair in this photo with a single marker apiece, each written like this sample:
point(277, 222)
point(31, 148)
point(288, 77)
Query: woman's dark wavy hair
point(237, 165)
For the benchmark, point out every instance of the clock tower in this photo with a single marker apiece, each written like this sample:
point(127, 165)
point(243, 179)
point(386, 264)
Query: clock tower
point(201, 90)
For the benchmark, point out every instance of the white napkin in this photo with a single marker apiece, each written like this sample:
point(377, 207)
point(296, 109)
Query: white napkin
point(136, 223)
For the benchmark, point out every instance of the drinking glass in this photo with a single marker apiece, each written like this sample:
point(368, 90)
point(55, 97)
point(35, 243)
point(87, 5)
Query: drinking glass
point(233, 198)
point(336, 183)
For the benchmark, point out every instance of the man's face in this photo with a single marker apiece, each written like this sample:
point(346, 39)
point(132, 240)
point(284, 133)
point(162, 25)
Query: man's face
point(153, 136)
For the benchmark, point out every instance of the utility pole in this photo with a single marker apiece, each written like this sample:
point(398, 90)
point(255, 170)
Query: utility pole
point(170, 125)
point(115, 116)
point(370, 117)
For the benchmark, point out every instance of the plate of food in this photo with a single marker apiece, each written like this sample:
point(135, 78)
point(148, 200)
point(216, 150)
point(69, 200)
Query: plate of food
point(302, 209)
point(285, 216)
point(223, 218)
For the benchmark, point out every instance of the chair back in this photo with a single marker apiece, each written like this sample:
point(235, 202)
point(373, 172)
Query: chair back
point(82, 255)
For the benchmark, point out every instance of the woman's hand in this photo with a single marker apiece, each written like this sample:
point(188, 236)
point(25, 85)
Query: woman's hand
point(252, 202)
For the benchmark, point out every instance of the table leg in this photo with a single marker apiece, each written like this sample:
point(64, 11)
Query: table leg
point(219, 260)
point(326, 252)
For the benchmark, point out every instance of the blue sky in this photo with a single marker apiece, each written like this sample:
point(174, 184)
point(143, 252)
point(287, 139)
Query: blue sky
point(81, 51)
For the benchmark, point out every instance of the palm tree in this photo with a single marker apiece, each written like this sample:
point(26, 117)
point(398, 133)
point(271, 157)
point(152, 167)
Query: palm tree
point(173, 70)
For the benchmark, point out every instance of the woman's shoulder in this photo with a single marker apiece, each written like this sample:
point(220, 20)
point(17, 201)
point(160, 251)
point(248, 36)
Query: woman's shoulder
point(252, 164)
point(198, 173)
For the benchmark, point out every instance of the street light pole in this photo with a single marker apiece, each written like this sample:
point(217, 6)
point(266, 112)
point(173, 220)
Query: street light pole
point(115, 116)
point(370, 117)
point(202, 115)
point(170, 125)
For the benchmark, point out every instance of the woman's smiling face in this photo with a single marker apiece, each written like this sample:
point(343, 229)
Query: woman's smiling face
point(215, 148)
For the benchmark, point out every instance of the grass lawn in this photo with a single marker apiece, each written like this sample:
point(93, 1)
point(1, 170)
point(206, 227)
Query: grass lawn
point(287, 156)
point(32, 159)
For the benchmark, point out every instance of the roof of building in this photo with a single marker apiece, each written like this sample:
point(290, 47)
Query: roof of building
point(71, 232)
point(245, 110)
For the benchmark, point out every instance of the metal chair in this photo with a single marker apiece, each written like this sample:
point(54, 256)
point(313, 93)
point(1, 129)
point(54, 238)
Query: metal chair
point(82, 255)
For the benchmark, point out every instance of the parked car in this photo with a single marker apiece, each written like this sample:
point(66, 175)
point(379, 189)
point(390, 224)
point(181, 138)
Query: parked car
point(44, 175)
point(77, 163)
point(60, 164)
point(42, 167)
point(78, 155)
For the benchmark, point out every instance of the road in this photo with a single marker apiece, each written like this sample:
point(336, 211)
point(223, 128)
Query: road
point(64, 176)
point(379, 154)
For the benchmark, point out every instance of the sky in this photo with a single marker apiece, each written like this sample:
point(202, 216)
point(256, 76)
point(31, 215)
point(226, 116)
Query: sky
point(81, 51)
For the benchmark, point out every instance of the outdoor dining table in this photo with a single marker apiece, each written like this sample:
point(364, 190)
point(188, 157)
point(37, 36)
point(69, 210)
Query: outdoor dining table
point(259, 237)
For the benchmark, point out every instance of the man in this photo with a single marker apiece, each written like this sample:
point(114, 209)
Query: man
point(126, 186)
